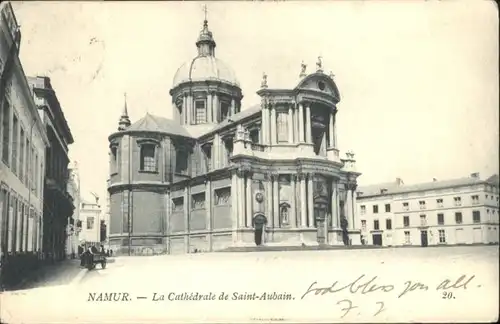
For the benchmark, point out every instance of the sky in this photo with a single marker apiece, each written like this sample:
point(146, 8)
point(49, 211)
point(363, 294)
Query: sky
point(418, 79)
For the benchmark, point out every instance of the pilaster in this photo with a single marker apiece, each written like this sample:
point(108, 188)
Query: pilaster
point(234, 202)
point(310, 200)
point(209, 108)
point(331, 130)
point(265, 125)
point(349, 208)
point(208, 210)
point(334, 206)
point(216, 107)
point(187, 209)
point(269, 200)
point(303, 201)
point(293, 198)
point(249, 202)
point(308, 123)
point(290, 124)
point(276, 200)
point(233, 108)
point(301, 123)
point(189, 111)
point(241, 198)
point(273, 125)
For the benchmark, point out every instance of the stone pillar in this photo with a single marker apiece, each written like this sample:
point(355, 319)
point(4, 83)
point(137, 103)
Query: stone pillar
point(301, 123)
point(187, 209)
point(241, 199)
point(290, 124)
point(269, 200)
point(166, 228)
point(355, 220)
point(335, 129)
point(189, 111)
point(303, 201)
point(249, 202)
point(349, 209)
point(208, 211)
point(209, 108)
point(335, 207)
point(184, 109)
point(233, 108)
point(273, 125)
point(216, 108)
point(330, 131)
point(276, 201)
point(234, 199)
point(308, 123)
point(310, 201)
point(264, 126)
point(293, 204)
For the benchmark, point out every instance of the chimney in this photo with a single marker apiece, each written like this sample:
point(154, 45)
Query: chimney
point(475, 175)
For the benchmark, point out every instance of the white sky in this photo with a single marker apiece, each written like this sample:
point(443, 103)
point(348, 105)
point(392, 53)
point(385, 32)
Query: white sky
point(418, 80)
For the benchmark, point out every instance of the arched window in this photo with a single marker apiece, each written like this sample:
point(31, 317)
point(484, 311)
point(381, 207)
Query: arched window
point(284, 214)
point(148, 158)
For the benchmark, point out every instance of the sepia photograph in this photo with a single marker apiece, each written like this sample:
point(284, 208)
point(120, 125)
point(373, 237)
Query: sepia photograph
point(249, 161)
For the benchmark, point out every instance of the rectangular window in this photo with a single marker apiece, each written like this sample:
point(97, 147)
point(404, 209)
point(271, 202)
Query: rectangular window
point(148, 158)
point(423, 220)
point(406, 221)
point(363, 209)
point(201, 112)
point(282, 127)
point(387, 208)
point(475, 199)
point(90, 222)
point(15, 144)
point(6, 132)
point(388, 223)
point(440, 219)
point(458, 218)
point(376, 225)
point(223, 196)
point(458, 201)
point(181, 162)
point(406, 206)
point(422, 204)
point(254, 136)
point(439, 202)
point(198, 201)
point(476, 216)
point(407, 237)
point(375, 209)
point(363, 225)
point(442, 236)
point(224, 110)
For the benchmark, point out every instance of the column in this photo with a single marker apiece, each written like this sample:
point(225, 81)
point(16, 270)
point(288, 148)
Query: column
point(234, 199)
point(233, 107)
point(249, 202)
point(241, 199)
point(276, 201)
point(187, 208)
point(308, 123)
point(310, 203)
point(209, 108)
point(264, 125)
point(208, 205)
point(355, 223)
point(168, 210)
point(293, 213)
point(335, 129)
point(301, 123)
point(269, 201)
point(303, 201)
point(330, 131)
point(290, 124)
point(189, 111)
point(216, 108)
point(334, 206)
point(273, 125)
point(348, 206)
point(323, 144)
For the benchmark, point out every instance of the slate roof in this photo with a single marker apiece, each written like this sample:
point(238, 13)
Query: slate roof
point(152, 123)
point(393, 188)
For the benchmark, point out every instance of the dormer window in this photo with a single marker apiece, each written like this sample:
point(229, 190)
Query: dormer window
point(200, 111)
point(148, 157)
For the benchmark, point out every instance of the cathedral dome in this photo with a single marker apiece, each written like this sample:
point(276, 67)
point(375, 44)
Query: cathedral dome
point(205, 68)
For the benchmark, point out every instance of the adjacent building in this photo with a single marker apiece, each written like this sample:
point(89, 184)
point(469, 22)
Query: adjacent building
point(91, 216)
point(74, 226)
point(58, 203)
point(218, 175)
point(23, 143)
point(440, 212)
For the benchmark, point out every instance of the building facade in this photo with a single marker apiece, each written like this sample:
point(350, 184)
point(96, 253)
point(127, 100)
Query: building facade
point(22, 148)
point(58, 204)
point(91, 216)
point(74, 226)
point(457, 211)
point(218, 175)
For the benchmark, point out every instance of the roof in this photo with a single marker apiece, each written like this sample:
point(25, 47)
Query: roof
point(204, 68)
point(152, 123)
point(393, 188)
point(237, 117)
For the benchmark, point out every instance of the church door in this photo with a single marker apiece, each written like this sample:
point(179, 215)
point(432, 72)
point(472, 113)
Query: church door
point(259, 222)
point(320, 210)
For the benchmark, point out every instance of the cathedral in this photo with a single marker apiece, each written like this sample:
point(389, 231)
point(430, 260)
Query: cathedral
point(218, 175)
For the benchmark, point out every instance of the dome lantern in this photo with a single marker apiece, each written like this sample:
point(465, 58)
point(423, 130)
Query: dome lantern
point(206, 43)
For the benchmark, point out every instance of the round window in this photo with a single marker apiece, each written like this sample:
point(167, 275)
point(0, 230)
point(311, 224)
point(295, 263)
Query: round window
point(321, 85)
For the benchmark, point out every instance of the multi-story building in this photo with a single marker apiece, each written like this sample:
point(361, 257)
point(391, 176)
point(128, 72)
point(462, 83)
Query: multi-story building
point(23, 141)
point(457, 211)
point(58, 204)
point(217, 175)
point(90, 214)
point(74, 222)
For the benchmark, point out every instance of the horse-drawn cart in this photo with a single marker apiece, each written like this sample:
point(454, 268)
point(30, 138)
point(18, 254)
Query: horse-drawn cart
point(94, 259)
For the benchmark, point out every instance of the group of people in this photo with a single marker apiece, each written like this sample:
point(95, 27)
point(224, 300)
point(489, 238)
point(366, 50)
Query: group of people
point(87, 255)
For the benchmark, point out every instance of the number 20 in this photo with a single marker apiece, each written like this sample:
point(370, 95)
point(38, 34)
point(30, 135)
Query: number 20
point(447, 295)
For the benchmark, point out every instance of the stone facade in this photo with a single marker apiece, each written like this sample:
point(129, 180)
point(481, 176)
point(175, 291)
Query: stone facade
point(219, 176)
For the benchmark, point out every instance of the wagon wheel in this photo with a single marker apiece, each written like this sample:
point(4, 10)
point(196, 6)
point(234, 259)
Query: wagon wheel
point(103, 264)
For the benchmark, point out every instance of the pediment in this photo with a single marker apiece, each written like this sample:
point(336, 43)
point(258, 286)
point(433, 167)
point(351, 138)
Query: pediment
point(321, 83)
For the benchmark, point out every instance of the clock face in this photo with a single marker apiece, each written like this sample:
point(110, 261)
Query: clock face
point(321, 85)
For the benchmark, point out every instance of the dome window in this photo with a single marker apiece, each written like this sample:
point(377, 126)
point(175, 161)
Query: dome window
point(200, 111)
point(321, 85)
